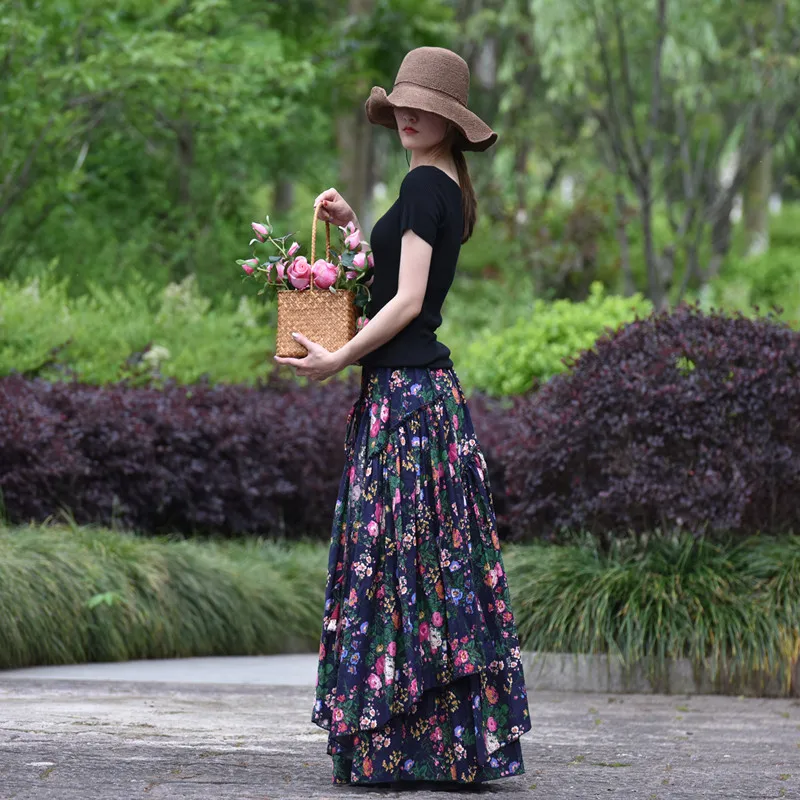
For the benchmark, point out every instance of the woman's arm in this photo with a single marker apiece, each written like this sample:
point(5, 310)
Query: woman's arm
point(412, 281)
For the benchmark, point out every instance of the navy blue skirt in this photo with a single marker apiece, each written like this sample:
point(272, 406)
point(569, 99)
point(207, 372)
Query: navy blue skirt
point(419, 673)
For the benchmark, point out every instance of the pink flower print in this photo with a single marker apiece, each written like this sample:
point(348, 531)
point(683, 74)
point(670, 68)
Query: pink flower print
point(463, 656)
point(501, 606)
point(384, 413)
point(424, 630)
point(491, 724)
point(455, 421)
point(437, 619)
point(373, 528)
point(380, 664)
point(374, 681)
point(392, 649)
point(453, 452)
point(396, 501)
point(374, 428)
point(413, 688)
point(338, 715)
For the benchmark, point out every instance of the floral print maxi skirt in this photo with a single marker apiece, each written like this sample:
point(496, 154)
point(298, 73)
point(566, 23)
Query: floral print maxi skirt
point(419, 664)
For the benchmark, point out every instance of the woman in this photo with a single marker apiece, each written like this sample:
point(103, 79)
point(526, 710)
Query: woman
point(419, 672)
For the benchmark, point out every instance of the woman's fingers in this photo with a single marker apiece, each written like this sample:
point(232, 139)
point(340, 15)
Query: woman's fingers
point(328, 194)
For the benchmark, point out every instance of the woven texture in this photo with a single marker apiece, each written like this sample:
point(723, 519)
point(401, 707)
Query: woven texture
point(325, 318)
point(436, 80)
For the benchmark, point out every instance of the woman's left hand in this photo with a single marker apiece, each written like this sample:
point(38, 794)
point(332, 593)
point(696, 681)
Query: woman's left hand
point(317, 365)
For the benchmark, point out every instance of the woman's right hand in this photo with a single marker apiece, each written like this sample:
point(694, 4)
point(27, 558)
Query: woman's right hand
point(335, 209)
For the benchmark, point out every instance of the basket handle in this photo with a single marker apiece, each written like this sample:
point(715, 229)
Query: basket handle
point(314, 243)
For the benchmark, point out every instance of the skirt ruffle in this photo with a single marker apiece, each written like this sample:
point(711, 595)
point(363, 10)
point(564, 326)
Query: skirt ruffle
point(419, 673)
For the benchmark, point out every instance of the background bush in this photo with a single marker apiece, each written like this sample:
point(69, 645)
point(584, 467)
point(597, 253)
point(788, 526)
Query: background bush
point(684, 420)
point(228, 459)
point(137, 332)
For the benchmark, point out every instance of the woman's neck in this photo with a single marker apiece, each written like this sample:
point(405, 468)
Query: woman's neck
point(443, 162)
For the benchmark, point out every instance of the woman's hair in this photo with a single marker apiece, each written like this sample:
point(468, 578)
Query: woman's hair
point(469, 203)
point(452, 142)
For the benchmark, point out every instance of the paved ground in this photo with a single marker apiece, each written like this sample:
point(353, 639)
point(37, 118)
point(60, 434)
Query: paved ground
point(114, 739)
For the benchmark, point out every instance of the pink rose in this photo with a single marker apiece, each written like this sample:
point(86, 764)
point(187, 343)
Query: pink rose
point(370, 260)
point(325, 274)
point(280, 269)
point(350, 275)
point(349, 228)
point(299, 273)
point(293, 249)
point(260, 230)
point(359, 261)
point(250, 265)
point(353, 240)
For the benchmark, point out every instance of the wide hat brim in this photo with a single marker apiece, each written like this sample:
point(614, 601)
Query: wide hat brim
point(475, 133)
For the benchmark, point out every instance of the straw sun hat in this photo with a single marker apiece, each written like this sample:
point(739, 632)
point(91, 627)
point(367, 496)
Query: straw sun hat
point(436, 80)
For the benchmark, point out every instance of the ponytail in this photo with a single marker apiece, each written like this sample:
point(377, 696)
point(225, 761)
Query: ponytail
point(469, 203)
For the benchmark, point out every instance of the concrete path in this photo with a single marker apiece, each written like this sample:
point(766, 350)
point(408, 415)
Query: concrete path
point(288, 670)
point(110, 738)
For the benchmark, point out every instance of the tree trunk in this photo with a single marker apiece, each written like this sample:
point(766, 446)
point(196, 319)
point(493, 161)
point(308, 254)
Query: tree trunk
point(621, 230)
point(354, 141)
point(655, 289)
point(284, 197)
point(755, 206)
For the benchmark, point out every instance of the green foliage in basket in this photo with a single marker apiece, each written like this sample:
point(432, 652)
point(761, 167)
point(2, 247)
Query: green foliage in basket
point(512, 359)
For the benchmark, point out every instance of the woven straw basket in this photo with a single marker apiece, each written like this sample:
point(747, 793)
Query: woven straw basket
point(320, 315)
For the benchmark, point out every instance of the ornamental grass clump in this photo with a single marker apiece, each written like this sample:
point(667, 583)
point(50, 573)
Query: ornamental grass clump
point(72, 595)
point(732, 609)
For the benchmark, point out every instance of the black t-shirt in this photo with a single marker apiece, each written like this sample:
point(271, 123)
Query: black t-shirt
point(430, 205)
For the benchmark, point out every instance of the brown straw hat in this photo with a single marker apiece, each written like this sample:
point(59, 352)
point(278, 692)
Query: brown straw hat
point(436, 80)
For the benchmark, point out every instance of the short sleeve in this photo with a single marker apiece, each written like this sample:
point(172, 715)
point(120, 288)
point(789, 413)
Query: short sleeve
point(420, 206)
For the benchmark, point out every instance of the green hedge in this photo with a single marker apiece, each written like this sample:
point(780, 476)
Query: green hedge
point(511, 359)
point(137, 332)
point(81, 594)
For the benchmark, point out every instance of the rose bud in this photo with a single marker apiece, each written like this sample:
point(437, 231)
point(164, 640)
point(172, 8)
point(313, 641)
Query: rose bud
point(293, 249)
point(260, 230)
point(359, 260)
point(250, 265)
